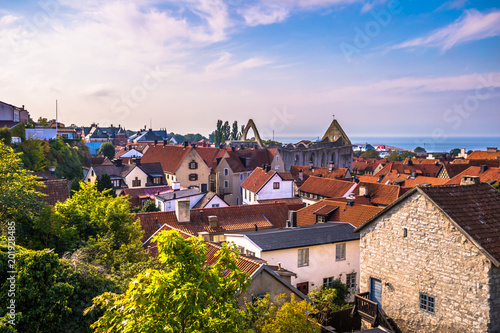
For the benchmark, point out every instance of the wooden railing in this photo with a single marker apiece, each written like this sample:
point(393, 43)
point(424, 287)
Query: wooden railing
point(370, 311)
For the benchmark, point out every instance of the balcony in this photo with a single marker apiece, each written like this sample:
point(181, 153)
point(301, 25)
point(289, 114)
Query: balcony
point(370, 311)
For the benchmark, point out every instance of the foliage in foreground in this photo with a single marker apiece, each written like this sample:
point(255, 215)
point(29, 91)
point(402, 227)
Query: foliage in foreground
point(186, 296)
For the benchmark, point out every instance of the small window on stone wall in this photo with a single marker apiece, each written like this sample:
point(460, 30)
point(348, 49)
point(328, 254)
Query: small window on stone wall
point(405, 232)
point(427, 303)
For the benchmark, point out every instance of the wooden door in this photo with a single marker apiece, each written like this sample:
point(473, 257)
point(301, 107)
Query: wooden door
point(303, 287)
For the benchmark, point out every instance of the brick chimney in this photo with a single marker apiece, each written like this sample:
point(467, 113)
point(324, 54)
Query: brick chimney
point(470, 180)
point(363, 190)
point(183, 211)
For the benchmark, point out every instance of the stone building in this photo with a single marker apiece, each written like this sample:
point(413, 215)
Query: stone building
point(334, 150)
point(431, 259)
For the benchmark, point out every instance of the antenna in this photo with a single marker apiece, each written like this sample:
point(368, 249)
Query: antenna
point(56, 118)
point(150, 123)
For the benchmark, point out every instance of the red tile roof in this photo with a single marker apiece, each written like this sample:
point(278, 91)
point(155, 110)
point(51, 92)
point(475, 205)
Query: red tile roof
point(405, 179)
point(490, 175)
point(292, 203)
point(233, 218)
point(355, 215)
point(379, 194)
point(137, 194)
point(481, 154)
point(244, 263)
point(55, 190)
point(428, 170)
point(258, 157)
point(339, 173)
point(169, 156)
point(259, 177)
point(326, 187)
point(209, 155)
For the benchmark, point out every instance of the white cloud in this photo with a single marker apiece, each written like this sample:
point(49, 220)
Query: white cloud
point(264, 14)
point(471, 26)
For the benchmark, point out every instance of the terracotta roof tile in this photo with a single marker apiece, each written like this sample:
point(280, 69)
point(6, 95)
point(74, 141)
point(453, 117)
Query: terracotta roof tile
point(338, 173)
point(169, 156)
point(137, 194)
point(257, 158)
point(406, 181)
point(482, 154)
point(209, 155)
point(327, 187)
point(355, 215)
point(258, 178)
point(490, 175)
point(55, 190)
point(233, 218)
point(294, 203)
point(379, 194)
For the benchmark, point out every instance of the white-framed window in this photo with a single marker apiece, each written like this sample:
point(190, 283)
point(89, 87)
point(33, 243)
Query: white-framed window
point(303, 257)
point(116, 182)
point(241, 249)
point(328, 282)
point(277, 168)
point(350, 281)
point(226, 184)
point(226, 171)
point(340, 252)
point(250, 253)
point(136, 182)
point(193, 165)
point(427, 303)
point(320, 219)
point(276, 186)
point(215, 205)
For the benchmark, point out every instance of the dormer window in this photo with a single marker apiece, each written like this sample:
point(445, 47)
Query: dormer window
point(320, 218)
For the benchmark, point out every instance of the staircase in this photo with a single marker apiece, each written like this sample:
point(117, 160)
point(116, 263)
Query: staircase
point(372, 313)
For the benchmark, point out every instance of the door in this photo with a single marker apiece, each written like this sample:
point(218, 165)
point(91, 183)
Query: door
point(303, 287)
point(376, 291)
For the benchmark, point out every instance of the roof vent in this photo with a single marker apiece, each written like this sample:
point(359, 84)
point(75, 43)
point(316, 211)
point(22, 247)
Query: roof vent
point(350, 200)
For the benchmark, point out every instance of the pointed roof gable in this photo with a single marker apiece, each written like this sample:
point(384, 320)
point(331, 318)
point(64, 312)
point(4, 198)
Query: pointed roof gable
point(170, 157)
point(472, 209)
point(335, 132)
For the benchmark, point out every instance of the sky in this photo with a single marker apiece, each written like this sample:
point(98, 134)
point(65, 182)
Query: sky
point(381, 68)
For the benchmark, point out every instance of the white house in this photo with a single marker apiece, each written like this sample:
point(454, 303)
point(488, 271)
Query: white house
point(318, 254)
point(264, 183)
point(197, 199)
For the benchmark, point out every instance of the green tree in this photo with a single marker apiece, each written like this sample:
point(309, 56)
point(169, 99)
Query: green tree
point(33, 155)
point(437, 155)
point(6, 135)
point(497, 186)
point(107, 149)
point(67, 158)
point(235, 135)
point(104, 183)
point(419, 150)
point(263, 316)
point(19, 131)
point(218, 136)
point(331, 299)
point(455, 152)
point(43, 122)
point(226, 132)
point(187, 295)
point(18, 188)
point(393, 156)
point(370, 153)
point(405, 155)
point(150, 206)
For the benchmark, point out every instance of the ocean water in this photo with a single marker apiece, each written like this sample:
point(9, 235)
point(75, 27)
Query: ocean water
point(431, 145)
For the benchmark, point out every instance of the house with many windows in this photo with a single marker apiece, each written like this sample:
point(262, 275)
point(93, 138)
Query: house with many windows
point(318, 254)
point(264, 183)
point(431, 261)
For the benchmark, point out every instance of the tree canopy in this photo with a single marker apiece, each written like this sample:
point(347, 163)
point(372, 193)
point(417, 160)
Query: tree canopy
point(107, 149)
point(370, 153)
point(188, 295)
point(419, 150)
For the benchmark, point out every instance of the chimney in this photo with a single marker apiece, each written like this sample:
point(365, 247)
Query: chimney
point(233, 149)
point(350, 200)
point(470, 180)
point(185, 143)
point(410, 162)
point(213, 221)
point(330, 166)
point(301, 174)
point(156, 142)
point(483, 168)
point(137, 161)
point(193, 145)
point(129, 147)
point(292, 217)
point(462, 152)
point(256, 227)
point(176, 186)
point(492, 149)
point(363, 191)
point(205, 235)
point(413, 175)
point(118, 162)
point(268, 168)
point(52, 170)
point(165, 142)
point(182, 211)
point(279, 266)
point(311, 164)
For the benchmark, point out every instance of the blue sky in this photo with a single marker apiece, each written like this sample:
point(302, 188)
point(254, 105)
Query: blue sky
point(412, 68)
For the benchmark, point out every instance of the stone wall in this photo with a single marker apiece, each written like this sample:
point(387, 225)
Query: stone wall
point(494, 325)
point(436, 259)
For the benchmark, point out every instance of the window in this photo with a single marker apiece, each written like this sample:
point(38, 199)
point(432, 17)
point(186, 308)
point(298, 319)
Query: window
point(277, 168)
point(276, 186)
point(136, 182)
point(245, 193)
point(215, 205)
point(157, 180)
point(248, 174)
point(241, 176)
point(241, 249)
point(193, 165)
point(405, 232)
point(116, 182)
point(226, 171)
point(350, 281)
point(193, 177)
point(328, 282)
point(250, 253)
point(427, 303)
point(226, 184)
point(93, 173)
point(303, 257)
point(340, 252)
point(320, 219)
point(277, 158)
